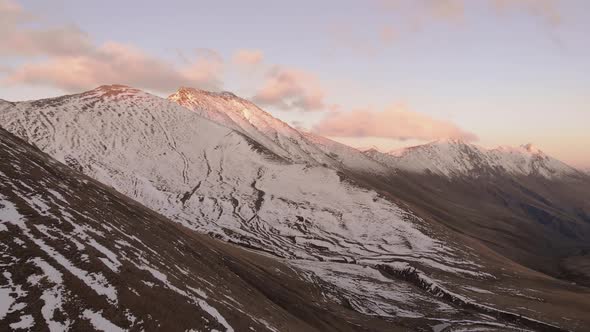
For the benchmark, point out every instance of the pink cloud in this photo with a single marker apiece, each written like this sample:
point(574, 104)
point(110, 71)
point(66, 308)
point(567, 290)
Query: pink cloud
point(291, 89)
point(388, 35)
point(347, 36)
point(65, 40)
point(450, 10)
point(18, 39)
point(424, 11)
point(119, 63)
point(72, 62)
point(12, 13)
point(545, 9)
point(247, 57)
point(395, 122)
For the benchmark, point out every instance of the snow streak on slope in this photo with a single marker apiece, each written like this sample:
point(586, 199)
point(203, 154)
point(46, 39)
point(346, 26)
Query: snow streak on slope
point(71, 255)
point(453, 158)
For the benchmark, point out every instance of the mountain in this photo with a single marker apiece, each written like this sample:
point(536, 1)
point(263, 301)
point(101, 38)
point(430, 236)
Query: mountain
point(370, 241)
point(524, 204)
point(243, 116)
point(454, 158)
point(211, 178)
point(239, 114)
point(78, 256)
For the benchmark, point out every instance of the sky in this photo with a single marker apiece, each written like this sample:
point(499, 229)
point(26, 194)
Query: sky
point(383, 73)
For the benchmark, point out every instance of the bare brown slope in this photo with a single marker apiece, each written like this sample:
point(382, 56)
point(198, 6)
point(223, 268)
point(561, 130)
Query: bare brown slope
point(163, 276)
point(534, 221)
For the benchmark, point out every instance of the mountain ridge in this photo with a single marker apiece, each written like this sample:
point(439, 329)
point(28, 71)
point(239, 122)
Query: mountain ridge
point(242, 115)
point(77, 255)
point(453, 157)
point(216, 180)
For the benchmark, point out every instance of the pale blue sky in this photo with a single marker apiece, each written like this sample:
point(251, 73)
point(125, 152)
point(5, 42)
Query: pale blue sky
point(511, 76)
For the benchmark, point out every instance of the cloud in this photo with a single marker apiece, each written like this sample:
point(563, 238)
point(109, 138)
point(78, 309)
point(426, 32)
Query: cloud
point(16, 38)
point(387, 35)
point(395, 122)
point(67, 40)
point(446, 10)
point(291, 89)
point(544, 9)
point(456, 10)
point(449, 10)
point(71, 61)
point(119, 63)
point(248, 57)
point(348, 36)
point(12, 13)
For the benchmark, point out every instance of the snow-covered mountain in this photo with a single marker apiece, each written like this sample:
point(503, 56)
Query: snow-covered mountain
point(252, 180)
point(285, 141)
point(245, 117)
point(348, 157)
point(213, 178)
point(453, 158)
point(76, 256)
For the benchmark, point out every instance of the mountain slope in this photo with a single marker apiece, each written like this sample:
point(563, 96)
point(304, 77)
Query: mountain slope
point(184, 166)
point(239, 114)
point(77, 256)
point(524, 204)
point(243, 116)
point(373, 255)
point(350, 158)
point(454, 158)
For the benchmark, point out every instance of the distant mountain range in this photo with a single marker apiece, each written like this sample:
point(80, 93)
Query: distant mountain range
point(455, 158)
point(445, 235)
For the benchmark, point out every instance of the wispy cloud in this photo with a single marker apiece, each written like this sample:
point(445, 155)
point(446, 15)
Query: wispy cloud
point(18, 38)
point(248, 57)
point(413, 16)
point(548, 10)
point(388, 34)
point(291, 89)
point(395, 122)
point(456, 10)
point(118, 63)
point(449, 10)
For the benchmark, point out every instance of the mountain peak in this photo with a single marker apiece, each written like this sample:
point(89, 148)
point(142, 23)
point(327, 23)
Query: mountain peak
point(112, 90)
point(245, 117)
point(188, 90)
point(114, 86)
point(450, 141)
point(529, 147)
point(189, 93)
point(368, 149)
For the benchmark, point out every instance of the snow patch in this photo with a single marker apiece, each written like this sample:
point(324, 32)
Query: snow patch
point(99, 322)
